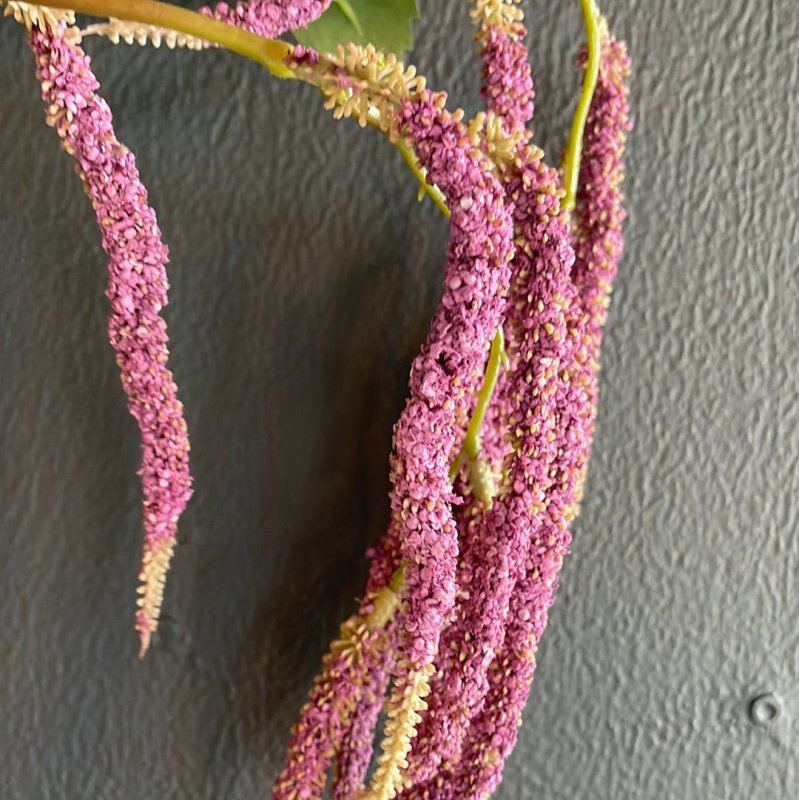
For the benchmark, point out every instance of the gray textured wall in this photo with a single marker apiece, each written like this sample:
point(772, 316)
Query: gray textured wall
point(304, 274)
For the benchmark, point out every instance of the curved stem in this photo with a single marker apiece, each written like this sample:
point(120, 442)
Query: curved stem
point(386, 601)
point(496, 359)
point(270, 53)
point(436, 195)
point(470, 450)
point(574, 148)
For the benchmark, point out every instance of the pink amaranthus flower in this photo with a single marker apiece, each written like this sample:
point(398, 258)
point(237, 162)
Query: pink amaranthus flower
point(599, 212)
point(507, 86)
point(271, 18)
point(351, 683)
point(138, 282)
point(509, 554)
point(479, 565)
point(137, 291)
point(443, 379)
point(447, 372)
point(349, 691)
point(493, 537)
point(493, 732)
point(542, 359)
point(553, 399)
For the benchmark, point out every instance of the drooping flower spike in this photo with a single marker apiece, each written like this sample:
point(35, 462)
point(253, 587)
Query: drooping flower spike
point(435, 418)
point(344, 696)
point(443, 383)
point(137, 291)
point(138, 281)
point(444, 377)
point(350, 689)
point(547, 396)
point(572, 383)
point(507, 87)
point(356, 748)
point(540, 362)
point(488, 548)
point(599, 213)
point(493, 733)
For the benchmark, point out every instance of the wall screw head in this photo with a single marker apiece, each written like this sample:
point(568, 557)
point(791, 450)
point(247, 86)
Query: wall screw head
point(764, 710)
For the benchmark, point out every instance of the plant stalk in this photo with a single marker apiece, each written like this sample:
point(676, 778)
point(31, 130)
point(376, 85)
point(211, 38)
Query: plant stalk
point(269, 53)
point(574, 147)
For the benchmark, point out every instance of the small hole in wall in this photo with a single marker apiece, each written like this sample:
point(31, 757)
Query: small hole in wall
point(764, 710)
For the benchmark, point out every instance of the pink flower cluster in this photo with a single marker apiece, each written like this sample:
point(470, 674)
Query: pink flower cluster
point(447, 372)
point(600, 214)
point(268, 19)
point(137, 291)
point(507, 78)
point(460, 588)
point(542, 360)
point(444, 378)
point(480, 579)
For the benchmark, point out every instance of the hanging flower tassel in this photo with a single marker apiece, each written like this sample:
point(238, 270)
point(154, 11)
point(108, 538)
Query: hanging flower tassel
point(538, 350)
point(137, 291)
point(507, 78)
point(356, 748)
point(444, 378)
point(494, 534)
point(460, 590)
point(547, 425)
point(493, 733)
point(350, 688)
point(351, 676)
point(599, 213)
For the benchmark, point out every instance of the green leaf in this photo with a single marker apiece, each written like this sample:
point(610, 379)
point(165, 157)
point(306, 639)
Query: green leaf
point(349, 12)
point(384, 23)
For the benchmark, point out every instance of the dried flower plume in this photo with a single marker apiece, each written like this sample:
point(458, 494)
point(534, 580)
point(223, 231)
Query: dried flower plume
point(137, 291)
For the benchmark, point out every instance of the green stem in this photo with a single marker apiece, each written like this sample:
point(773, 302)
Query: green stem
point(270, 53)
point(436, 195)
point(386, 601)
point(470, 451)
point(574, 148)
